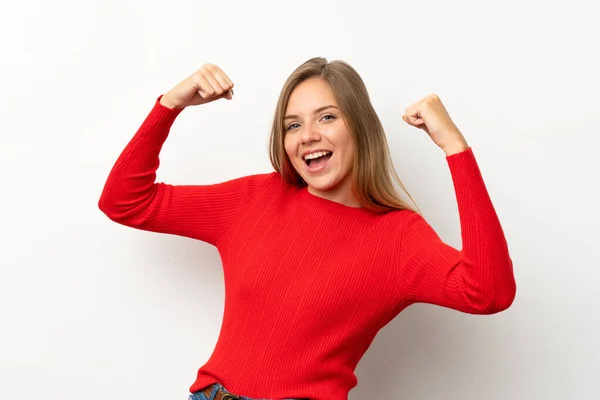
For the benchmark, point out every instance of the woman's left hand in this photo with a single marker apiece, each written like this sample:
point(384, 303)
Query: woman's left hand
point(430, 115)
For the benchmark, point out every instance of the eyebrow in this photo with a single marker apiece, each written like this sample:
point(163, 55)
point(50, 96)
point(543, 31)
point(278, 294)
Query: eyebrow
point(316, 111)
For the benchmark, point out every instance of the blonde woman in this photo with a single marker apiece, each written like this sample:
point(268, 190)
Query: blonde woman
point(321, 253)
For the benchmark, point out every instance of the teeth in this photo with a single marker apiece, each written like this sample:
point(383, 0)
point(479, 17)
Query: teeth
point(316, 155)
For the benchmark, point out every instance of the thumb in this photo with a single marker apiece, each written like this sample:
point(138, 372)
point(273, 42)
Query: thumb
point(227, 95)
point(414, 121)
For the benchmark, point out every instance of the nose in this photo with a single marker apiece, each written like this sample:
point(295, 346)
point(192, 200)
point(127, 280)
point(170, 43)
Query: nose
point(310, 133)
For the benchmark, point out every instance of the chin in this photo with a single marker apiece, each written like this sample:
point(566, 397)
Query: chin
point(322, 183)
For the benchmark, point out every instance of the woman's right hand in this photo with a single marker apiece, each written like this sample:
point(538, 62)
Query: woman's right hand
point(207, 84)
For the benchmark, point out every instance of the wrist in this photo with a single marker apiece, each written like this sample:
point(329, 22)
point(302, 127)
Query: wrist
point(167, 102)
point(455, 148)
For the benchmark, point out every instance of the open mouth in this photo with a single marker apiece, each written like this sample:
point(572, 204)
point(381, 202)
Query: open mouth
point(318, 159)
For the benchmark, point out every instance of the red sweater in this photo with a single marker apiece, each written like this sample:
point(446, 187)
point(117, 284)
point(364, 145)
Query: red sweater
point(310, 282)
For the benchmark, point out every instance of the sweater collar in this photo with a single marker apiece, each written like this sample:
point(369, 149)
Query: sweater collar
point(332, 206)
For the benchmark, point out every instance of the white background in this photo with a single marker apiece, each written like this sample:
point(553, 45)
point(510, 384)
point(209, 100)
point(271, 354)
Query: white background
point(91, 309)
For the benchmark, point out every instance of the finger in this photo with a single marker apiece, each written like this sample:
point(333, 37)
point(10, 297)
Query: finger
point(205, 89)
point(217, 74)
point(227, 95)
point(218, 89)
point(223, 75)
point(413, 111)
point(412, 120)
point(223, 80)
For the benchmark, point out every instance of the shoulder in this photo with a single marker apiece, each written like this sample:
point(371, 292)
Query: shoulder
point(264, 180)
point(256, 179)
point(401, 218)
point(405, 223)
point(255, 184)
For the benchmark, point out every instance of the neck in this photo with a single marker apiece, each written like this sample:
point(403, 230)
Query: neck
point(340, 194)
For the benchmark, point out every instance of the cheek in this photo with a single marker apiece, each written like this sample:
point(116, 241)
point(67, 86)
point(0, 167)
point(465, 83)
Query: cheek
point(290, 148)
point(348, 148)
point(349, 158)
point(351, 151)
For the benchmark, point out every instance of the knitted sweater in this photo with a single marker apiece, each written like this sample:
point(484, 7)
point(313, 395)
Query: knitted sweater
point(309, 282)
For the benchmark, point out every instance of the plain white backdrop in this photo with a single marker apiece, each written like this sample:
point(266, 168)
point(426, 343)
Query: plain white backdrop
point(90, 309)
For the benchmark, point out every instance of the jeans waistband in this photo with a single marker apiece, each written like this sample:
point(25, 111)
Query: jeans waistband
point(217, 391)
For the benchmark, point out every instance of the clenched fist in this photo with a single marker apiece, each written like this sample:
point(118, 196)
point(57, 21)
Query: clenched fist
point(207, 84)
point(430, 115)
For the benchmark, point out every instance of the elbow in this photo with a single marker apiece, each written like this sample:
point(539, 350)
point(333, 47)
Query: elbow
point(495, 294)
point(132, 212)
point(108, 208)
point(113, 209)
point(495, 300)
point(502, 302)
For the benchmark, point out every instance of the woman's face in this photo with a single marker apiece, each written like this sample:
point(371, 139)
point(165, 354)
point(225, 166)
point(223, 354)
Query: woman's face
point(318, 142)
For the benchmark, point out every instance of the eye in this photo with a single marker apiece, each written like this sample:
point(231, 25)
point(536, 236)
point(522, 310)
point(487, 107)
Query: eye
point(328, 117)
point(290, 126)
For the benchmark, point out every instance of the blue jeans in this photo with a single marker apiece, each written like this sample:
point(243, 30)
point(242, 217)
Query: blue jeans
point(213, 393)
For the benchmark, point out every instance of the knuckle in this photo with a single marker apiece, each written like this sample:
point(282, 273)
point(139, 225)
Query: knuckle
point(197, 77)
point(206, 68)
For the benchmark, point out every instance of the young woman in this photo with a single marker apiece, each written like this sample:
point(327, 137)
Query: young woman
point(322, 253)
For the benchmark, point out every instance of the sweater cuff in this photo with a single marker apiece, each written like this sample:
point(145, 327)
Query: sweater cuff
point(466, 152)
point(168, 112)
point(464, 160)
point(467, 177)
point(160, 119)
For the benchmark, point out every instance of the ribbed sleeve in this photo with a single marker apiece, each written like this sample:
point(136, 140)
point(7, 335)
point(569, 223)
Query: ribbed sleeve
point(477, 279)
point(132, 197)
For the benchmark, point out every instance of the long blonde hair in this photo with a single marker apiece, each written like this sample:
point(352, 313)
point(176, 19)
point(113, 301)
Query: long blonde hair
point(372, 172)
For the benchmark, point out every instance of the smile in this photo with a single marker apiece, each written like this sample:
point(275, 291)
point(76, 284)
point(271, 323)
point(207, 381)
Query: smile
point(318, 161)
point(317, 156)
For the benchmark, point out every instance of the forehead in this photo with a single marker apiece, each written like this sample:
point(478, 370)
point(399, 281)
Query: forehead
point(309, 95)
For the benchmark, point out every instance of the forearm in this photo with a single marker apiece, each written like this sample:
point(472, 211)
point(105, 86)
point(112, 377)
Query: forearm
point(131, 181)
point(486, 265)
